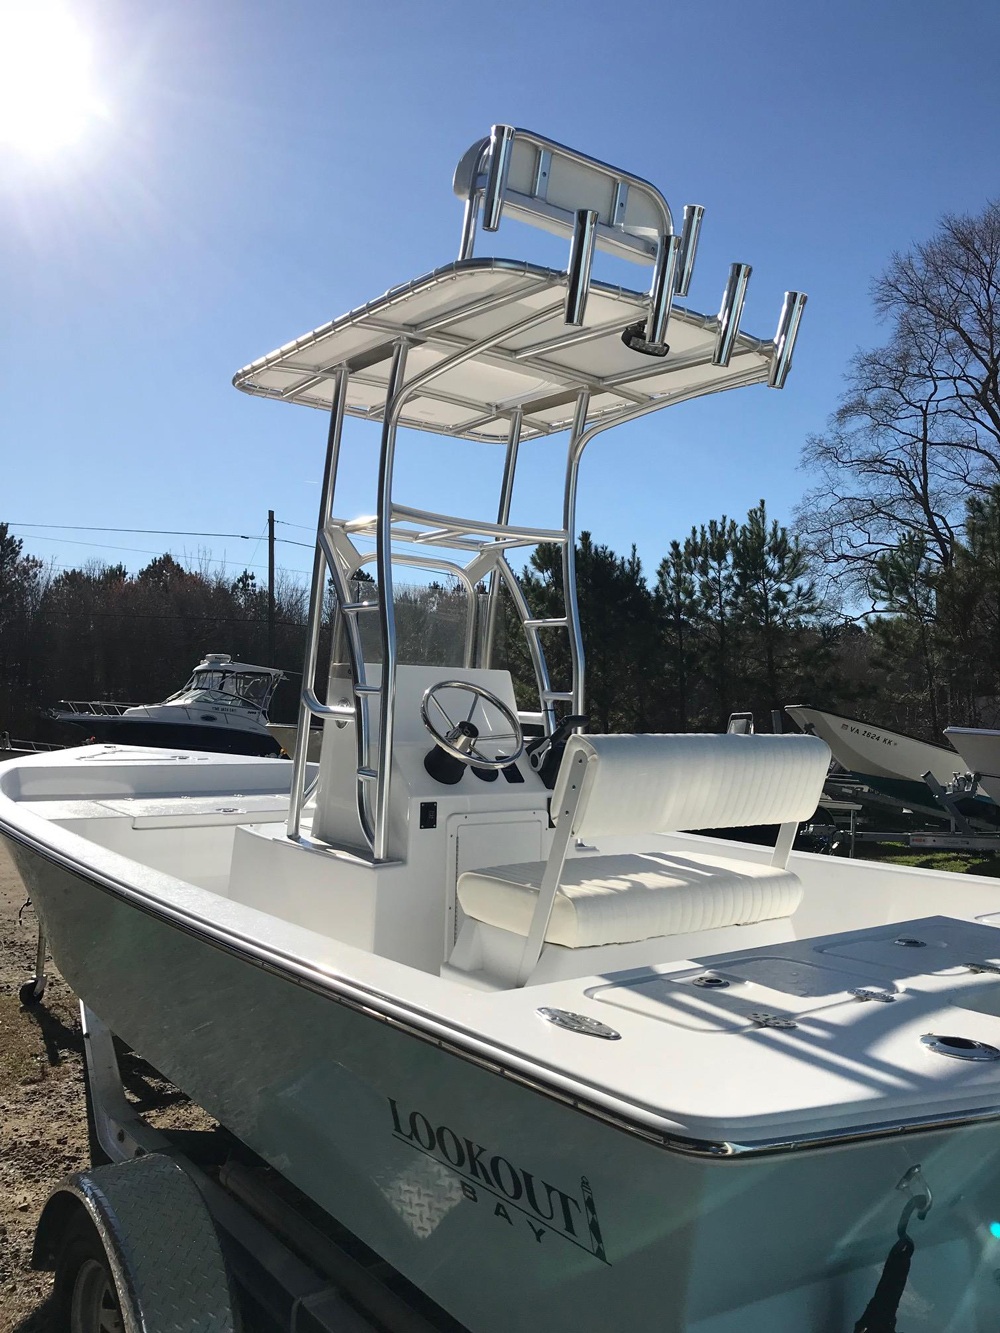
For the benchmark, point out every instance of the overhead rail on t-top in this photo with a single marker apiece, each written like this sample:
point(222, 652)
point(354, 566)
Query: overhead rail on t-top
point(501, 351)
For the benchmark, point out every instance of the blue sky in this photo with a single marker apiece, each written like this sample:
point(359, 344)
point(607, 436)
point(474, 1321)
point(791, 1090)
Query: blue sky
point(262, 168)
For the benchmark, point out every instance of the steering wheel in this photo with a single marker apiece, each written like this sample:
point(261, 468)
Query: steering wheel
point(463, 739)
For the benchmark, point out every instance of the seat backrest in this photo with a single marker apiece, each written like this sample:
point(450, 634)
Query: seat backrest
point(664, 784)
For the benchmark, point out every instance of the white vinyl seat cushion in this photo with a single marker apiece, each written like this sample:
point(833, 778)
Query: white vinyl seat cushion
point(617, 899)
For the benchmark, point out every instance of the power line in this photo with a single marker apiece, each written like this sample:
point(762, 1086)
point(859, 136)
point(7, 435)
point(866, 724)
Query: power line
point(145, 550)
point(170, 615)
point(156, 532)
point(161, 532)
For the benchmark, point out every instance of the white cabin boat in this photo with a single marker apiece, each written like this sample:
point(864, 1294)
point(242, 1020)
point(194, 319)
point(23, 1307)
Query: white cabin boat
point(222, 707)
point(562, 1064)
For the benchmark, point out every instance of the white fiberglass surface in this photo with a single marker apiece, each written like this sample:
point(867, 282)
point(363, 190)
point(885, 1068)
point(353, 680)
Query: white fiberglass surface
point(690, 1062)
point(539, 367)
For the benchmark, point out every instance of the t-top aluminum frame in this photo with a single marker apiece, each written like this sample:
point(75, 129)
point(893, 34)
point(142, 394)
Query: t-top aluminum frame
point(482, 178)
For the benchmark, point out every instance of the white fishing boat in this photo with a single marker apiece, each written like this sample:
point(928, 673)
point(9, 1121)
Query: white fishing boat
point(222, 707)
point(889, 761)
point(559, 1064)
point(980, 751)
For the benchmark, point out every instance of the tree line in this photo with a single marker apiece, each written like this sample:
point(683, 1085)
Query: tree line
point(99, 632)
point(731, 620)
point(881, 598)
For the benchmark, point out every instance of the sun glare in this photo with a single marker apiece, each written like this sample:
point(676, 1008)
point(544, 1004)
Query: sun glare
point(47, 98)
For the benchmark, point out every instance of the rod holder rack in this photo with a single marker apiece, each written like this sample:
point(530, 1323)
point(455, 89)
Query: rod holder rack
point(548, 185)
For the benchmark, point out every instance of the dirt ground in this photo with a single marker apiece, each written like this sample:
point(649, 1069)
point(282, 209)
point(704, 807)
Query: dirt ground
point(43, 1131)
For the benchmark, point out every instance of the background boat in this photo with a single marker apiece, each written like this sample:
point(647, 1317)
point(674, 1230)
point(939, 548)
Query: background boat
point(888, 761)
point(222, 708)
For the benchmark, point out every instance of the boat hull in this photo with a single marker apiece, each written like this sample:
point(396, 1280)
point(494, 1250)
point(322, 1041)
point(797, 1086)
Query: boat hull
point(176, 735)
point(286, 735)
point(887, 761)
point(508, 1205)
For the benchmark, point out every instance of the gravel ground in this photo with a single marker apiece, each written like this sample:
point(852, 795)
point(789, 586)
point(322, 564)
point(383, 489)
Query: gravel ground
point(43, 1131)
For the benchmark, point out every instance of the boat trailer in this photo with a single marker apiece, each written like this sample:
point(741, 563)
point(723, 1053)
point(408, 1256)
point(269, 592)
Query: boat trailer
point(172, 1230)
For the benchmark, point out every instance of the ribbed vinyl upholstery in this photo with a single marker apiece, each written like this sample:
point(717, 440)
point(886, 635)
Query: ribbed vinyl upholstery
point(614, 899)
point(638, 785)
point(663, 784)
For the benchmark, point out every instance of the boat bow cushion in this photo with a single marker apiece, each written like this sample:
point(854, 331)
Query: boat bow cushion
point(615, 899)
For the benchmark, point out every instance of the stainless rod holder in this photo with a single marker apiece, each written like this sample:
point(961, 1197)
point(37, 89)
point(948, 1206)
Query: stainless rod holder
point(468, 244)
point(731, 312)
point(690, 232)
point(581, 258)
point(784, 338)
point(501, 143)
point(661, 293)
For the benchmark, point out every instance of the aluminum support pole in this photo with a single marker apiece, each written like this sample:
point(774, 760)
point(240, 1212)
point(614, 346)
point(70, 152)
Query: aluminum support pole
point(317, 592)
point(386, 608)
point(569, 550)
point(503, 515)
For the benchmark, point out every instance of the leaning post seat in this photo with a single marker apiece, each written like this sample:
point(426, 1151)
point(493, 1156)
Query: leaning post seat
point(612, 786)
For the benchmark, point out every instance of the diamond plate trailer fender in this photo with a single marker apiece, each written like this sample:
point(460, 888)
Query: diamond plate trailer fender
point(161, 1244)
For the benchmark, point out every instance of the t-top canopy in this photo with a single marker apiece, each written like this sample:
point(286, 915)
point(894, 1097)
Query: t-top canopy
point(527, 356)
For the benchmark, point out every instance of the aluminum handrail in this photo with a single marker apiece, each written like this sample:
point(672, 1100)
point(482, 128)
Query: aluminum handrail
point(486, 529)
point(97, 707)
point(495, 153)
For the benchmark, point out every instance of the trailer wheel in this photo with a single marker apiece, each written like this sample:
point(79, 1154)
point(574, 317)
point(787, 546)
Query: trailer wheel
point(85, 1296)
point(29, 993)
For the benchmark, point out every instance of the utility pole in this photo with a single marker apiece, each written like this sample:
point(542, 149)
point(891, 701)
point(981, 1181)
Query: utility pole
point(270, 587)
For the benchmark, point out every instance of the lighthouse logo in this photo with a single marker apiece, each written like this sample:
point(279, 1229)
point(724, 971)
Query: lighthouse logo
point(514, 1195)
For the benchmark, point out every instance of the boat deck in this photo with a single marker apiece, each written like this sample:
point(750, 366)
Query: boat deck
point(786, 1051)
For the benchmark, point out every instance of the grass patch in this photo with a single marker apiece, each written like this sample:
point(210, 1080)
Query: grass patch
point(955, 862)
